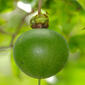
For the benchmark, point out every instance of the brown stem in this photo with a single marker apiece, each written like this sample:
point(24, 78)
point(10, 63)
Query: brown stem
point(3, 32)
point(5, 47)
point(17, 31)
point(39, 81)
point(19, 27)
point(39, 7)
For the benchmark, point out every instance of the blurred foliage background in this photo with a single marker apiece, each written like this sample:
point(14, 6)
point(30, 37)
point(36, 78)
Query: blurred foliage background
point(66, 17)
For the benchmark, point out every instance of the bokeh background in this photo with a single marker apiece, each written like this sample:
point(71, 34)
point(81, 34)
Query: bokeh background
point(66, 17)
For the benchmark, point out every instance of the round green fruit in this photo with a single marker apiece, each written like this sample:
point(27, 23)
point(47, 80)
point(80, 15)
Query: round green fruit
point(40, 53)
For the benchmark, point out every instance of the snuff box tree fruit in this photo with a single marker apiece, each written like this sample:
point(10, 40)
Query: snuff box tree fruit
point(40, 52)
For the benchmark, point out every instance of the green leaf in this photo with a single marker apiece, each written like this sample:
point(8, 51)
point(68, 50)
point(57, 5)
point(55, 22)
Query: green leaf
point(82, 3)
point(6, 4)
point(77, 42)
point(4, 39)
point(27, 1)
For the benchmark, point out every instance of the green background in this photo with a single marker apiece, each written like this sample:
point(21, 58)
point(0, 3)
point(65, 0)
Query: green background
point(66, 17)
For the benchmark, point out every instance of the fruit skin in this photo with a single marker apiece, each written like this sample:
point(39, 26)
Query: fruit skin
point(40, 53)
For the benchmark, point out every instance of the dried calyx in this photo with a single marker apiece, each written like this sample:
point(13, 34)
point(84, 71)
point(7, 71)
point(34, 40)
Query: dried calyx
point(40, 21)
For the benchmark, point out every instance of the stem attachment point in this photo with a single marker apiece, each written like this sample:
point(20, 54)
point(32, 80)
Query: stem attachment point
point(39, 7)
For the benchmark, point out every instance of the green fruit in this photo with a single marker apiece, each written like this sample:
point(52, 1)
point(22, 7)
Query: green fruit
point(40, 53)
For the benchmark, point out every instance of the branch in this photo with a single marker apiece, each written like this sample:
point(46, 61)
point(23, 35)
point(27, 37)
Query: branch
point(4, 48)
point(11, 43)
point(39, 7)
point(39, 81)
point(19, 27)
point(16, 33)
point(3, 32)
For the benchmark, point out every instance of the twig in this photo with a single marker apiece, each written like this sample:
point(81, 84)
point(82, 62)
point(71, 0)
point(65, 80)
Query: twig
point(4, 48)
point(3, 32)
point(18, 29)
point(16, 33)
point(39, 7)
point(11, 44)
point(39, 81)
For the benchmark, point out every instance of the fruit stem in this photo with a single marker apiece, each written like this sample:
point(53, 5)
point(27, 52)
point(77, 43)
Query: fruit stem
point(39, 81)
point(39, 7)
